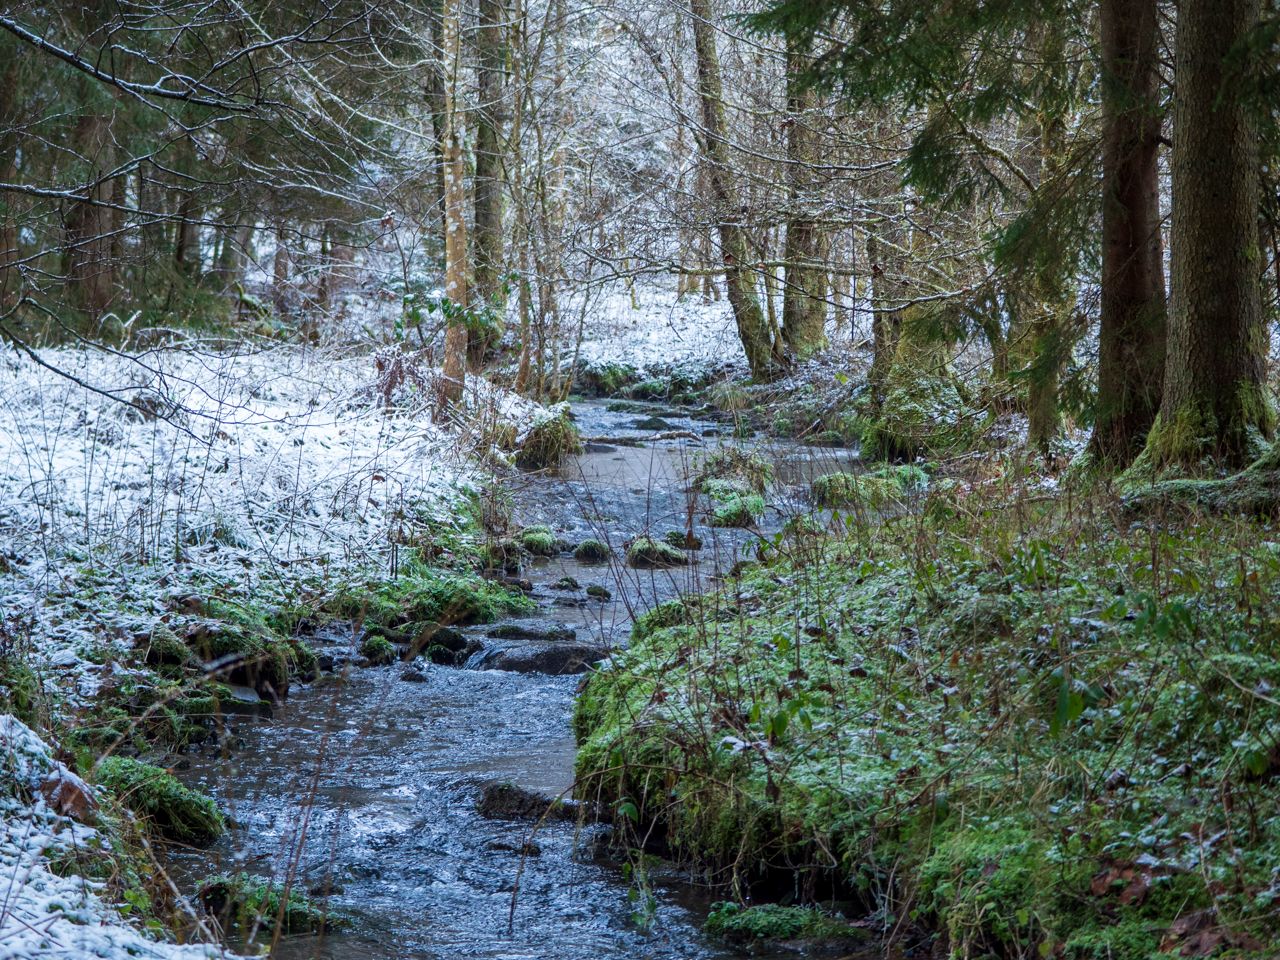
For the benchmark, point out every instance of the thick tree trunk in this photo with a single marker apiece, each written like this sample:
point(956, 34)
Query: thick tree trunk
point(1132, 330)
point(455, 224)
point(753, 328)
point(884, 254)
point(804, 297)
point(10, 274)
point(1215, 401)
point(488, 178)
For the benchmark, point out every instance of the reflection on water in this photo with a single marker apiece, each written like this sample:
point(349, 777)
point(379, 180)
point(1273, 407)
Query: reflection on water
point(373, 782)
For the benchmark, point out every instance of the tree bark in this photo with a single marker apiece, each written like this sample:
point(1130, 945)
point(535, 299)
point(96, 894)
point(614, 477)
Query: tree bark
point(490, 118)
point(1215, 402)
point(89, 274)
point(455, 224)
point(804, 297)
point(888, 291)
point(753, 328)
point(1132, 331)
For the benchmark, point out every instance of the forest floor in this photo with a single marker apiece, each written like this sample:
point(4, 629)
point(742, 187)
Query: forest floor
point(956, 704)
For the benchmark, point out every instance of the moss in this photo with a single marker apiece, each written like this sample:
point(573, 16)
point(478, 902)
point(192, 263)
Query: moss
point(739, 512)
point(672, 613)
point(378, 650)
point(548, 442)
point(606, 379)
point(646, 552)
point(156, 797)
point(591, 551)
point(19, 690)
point(540, 541)
point(874, 490)
point(256, 658)
point(802, 525)
point(501, 555)
point(428, 594)
point(246, 902)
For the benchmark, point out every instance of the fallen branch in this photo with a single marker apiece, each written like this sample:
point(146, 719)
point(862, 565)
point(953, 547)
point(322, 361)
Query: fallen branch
point(633, 441)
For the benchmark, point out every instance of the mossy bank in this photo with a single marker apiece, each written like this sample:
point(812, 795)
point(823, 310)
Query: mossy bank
point(1017, 728)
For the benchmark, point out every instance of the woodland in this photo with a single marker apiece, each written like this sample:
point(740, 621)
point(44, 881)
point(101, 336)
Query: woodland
point(682, 478)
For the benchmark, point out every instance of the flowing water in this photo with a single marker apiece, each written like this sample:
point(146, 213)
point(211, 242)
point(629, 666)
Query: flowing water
point(372, 784)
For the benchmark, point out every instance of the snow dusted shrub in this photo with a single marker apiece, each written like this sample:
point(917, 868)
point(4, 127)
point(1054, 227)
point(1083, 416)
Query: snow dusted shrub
point(551, 438)
point(400, 377)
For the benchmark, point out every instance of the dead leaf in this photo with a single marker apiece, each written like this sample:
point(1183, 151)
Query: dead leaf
point(68, 795)
point(1139, 884)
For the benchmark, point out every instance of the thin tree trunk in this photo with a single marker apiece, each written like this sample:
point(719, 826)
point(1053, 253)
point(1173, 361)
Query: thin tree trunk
point(280, 271)
point(490, 118)
point(884, 255)
point(1132, 332)
point(804, 307)
point(753, 328)
point(455, 224)
point(1215, 401)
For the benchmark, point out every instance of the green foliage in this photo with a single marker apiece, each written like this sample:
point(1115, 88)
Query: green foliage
point(735, 469)
point(541, 541)
point(876, 489)
point(425, 593)
point(548, 442)
point(159, 800)
point(740, 924)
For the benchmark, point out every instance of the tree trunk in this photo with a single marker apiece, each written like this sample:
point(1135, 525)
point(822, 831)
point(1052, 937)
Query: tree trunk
point(490, 118)
point(1132, 330)
point(186, 247)
point(455, 224)
point(10, 275)
point(280, 272)
point(753, 328)
point(1215, 401)
point(804, 306)
point(884, 255)
point(88, 268)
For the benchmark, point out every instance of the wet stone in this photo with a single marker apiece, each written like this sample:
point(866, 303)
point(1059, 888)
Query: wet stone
point(414, 675)
point(545, 630)
point(506, 801)
point(552, 659)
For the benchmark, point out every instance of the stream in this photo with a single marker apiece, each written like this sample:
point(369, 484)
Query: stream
point(374, 782)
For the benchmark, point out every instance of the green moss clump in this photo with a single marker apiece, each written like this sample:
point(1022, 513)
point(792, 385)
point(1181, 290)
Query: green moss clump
point(646, 552)
point(244, 902)
point(879, 488)
point(802, 525)
point(19, 690)
point(156, 797)
point(539, 540)
point(739, 512)
point(428, 594)
point(592, 551)
point(673, 613)
point(378, 649)
point(501, 555)
point(682, 541)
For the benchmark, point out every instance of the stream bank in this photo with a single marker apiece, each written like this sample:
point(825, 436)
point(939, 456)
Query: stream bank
point(370, 782)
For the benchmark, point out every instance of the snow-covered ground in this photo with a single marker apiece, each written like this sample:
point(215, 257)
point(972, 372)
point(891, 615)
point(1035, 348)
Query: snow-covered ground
point(43, 914)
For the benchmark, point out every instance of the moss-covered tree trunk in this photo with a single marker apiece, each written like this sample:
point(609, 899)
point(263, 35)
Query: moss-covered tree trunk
point(888, 292)
point(804, 297)
point(1132, 332)
point(753, 327)
point(1214, 402)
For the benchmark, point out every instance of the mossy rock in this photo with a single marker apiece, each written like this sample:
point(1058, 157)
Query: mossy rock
point(725, 490)
point(606, 379)
point(592, 551)
point(540, 541)
point(548, 442)
point(163, 646)
point(682, 541)
point(655, 389)
point(254, 657)
point(648, 553)
point(155, 796)
point(752, 473)
point(378, 650)
point(802, 525)
point(428, 594)
point(245, 902)
point(599, 592)
point(740, 512)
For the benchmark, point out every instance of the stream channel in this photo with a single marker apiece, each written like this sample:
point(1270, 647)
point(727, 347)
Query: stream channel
point(374, 782)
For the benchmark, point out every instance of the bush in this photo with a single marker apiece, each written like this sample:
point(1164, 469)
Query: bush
point(552, 438)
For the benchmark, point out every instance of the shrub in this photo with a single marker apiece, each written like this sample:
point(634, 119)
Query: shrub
point(156, 797)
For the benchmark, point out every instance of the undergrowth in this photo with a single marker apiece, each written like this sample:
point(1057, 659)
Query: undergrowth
point(1029, 725)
